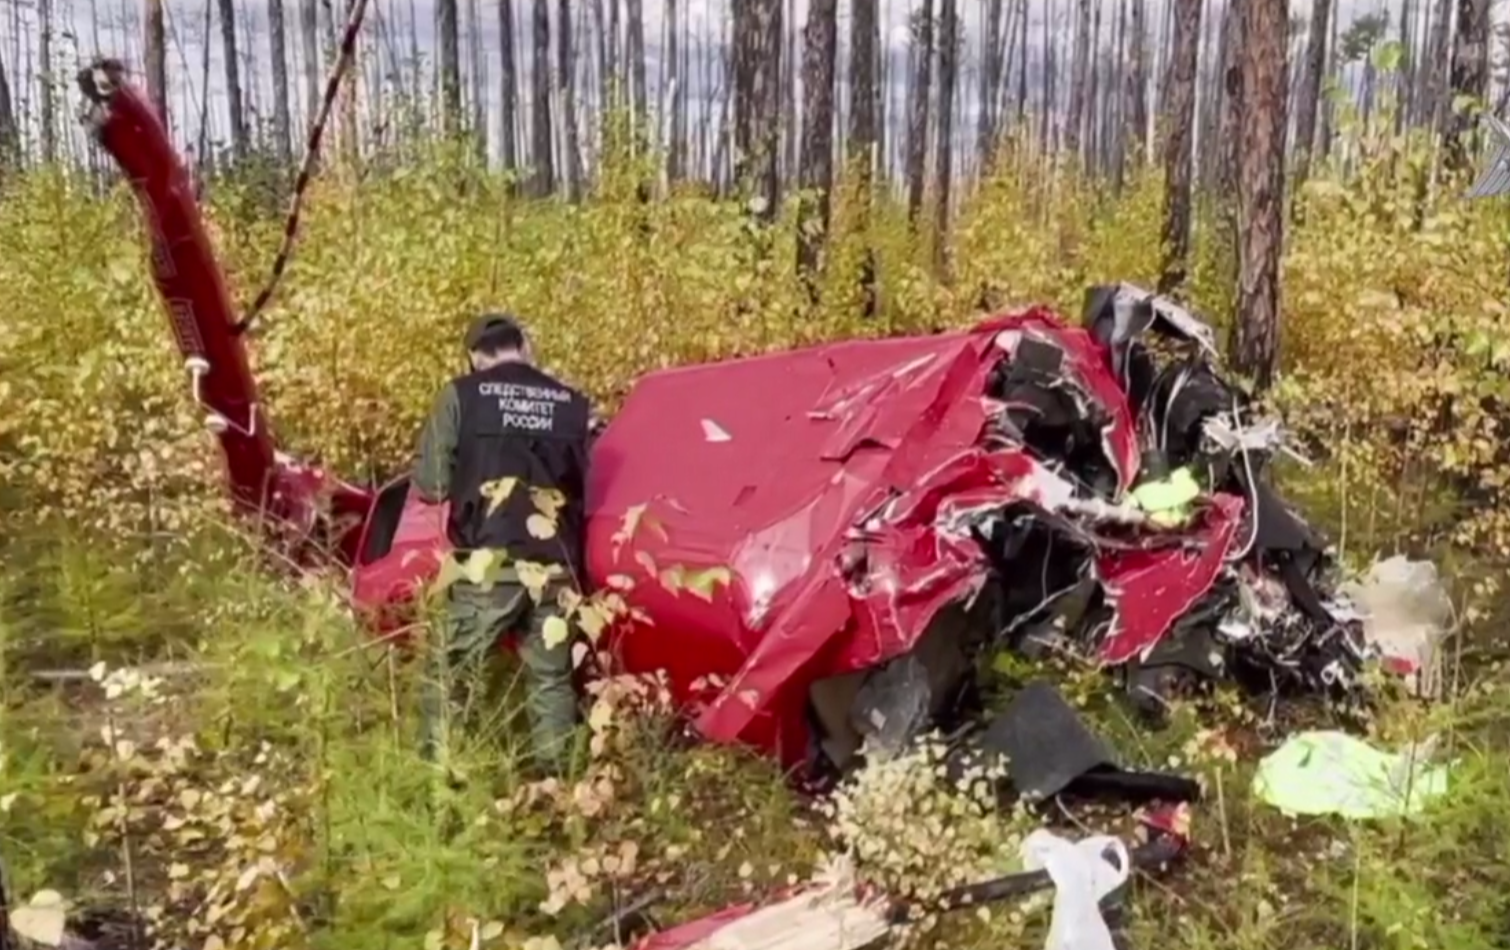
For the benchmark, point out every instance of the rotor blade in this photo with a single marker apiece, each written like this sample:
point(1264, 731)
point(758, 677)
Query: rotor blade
point(1495, 177)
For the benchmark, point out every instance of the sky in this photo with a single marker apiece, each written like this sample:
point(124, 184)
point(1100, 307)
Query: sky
point(115, 30)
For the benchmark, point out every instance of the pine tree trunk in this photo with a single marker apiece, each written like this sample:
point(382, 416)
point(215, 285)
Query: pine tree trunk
point(917, 132)
point(236, 103)
point(1470, 79)
point(571, 173)
point(1311, 87)
point(949, 45)
point(449, 38)
point(1179, 134)
point(282, 121)
point(156, 45)
point(508, 67)
point(816, 173)
point(1265, 79)
point(542, 157)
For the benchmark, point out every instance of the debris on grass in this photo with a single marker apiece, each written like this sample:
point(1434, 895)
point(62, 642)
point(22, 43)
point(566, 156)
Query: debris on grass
point(1326, 772)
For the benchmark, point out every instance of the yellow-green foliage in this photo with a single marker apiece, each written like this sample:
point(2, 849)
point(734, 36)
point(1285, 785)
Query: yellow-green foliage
point(365, 327)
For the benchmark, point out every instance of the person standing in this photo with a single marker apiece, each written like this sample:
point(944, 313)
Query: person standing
point(507, 446)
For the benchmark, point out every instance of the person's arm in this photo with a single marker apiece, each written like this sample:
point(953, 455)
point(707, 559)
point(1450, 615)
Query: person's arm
point(437, 448)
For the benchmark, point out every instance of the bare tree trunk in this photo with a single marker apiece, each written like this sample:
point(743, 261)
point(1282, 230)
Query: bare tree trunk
point(1441, 54)
point(1310, 94)
point(757, 99)
point(10, 131)
point(993, 62)
point(235, 102)
point(917, 133)
point(449, 37)
point(1255, 345)
point(544, 162)
point(155, 44)
point(1080, 84)
point(635, 45)
point(676, 148)
point(49, 104)
point(1234, 61)
point(819, 64)
point(1470, 78)
point(509, 77)
point(864, 129)
point(948, 82)
point(309, 34)
point(282, 123)
point(571, 173)
point(1137, 85)
point(479, 94)
point(1179, 129)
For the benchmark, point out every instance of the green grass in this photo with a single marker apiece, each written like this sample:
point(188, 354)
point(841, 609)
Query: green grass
point(303, 761)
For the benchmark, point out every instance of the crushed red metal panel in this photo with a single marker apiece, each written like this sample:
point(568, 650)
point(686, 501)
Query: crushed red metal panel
point(792, 469)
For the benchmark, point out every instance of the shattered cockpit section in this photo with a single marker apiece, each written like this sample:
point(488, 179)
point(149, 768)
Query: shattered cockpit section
point(891, 510)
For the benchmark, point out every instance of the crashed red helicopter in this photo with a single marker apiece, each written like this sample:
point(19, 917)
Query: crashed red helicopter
point(883, 513)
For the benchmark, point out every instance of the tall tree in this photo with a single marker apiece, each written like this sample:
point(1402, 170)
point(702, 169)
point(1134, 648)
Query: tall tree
point(993, 62)
point(1234, 63)
point(508, 69)
point(864, 130)
point(757, 98)
point(1137, 83)
point(566, 69)
point(1265, 83)
point(1470, 78)
point(819, 62)
point(235, 99)
point(155, 43)
point(282, 122)
point(1179, 137)
point(676, 149)
point(1080, 84)
point(1309, 101)
point(919, 126)
point(10, 131)
point(544, 161)
point(309, 36)
point(949, 49)
point(448, 28)
point(49, 110)
point(634, 13)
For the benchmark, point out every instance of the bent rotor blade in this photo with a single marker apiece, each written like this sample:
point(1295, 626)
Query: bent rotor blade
point(1495, 178)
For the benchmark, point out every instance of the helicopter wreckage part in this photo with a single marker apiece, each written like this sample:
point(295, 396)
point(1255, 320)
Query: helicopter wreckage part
point(305, 505)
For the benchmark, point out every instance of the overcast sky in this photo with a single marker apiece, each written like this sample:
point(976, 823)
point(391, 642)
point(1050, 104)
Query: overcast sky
point(115, 30)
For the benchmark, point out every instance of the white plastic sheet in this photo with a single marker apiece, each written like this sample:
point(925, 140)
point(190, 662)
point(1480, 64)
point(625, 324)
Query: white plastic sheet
point(1083, 876)
point(1406, 612)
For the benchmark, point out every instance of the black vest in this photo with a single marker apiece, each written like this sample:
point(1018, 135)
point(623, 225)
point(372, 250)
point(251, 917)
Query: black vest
point(519, 427)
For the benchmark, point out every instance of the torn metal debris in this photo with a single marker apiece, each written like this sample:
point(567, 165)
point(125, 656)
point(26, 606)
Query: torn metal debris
point(888, 509)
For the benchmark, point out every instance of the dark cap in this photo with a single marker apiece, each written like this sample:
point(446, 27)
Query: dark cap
point(495, 331)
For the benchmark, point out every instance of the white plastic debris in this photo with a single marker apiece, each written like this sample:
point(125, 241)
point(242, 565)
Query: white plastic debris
point(1083, 877)
point(1406, 613)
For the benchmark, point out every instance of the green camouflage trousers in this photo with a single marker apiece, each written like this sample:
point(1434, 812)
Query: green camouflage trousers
point(475, 620)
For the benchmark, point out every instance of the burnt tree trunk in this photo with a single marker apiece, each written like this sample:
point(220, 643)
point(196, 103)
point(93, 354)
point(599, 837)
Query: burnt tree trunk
point(571, 173)
point(1470, 78)
point(48, 116)
point(155, 43)
point(918, 127)
point(819, 61)
point(864, 130)
point(993, 63)
point(541, 153)
point(1309, 102)
point(508, 68)
point(1081, 80)
point(1137, 86)
point(1255, 344)
point(449, 37)
point(309, 36)
point(1178, 137)
point(757, 100)
point(949, 46)
point(235, 101)
point(635, 52)
point(282, 120)
point(676, 148)
point(10, 137)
